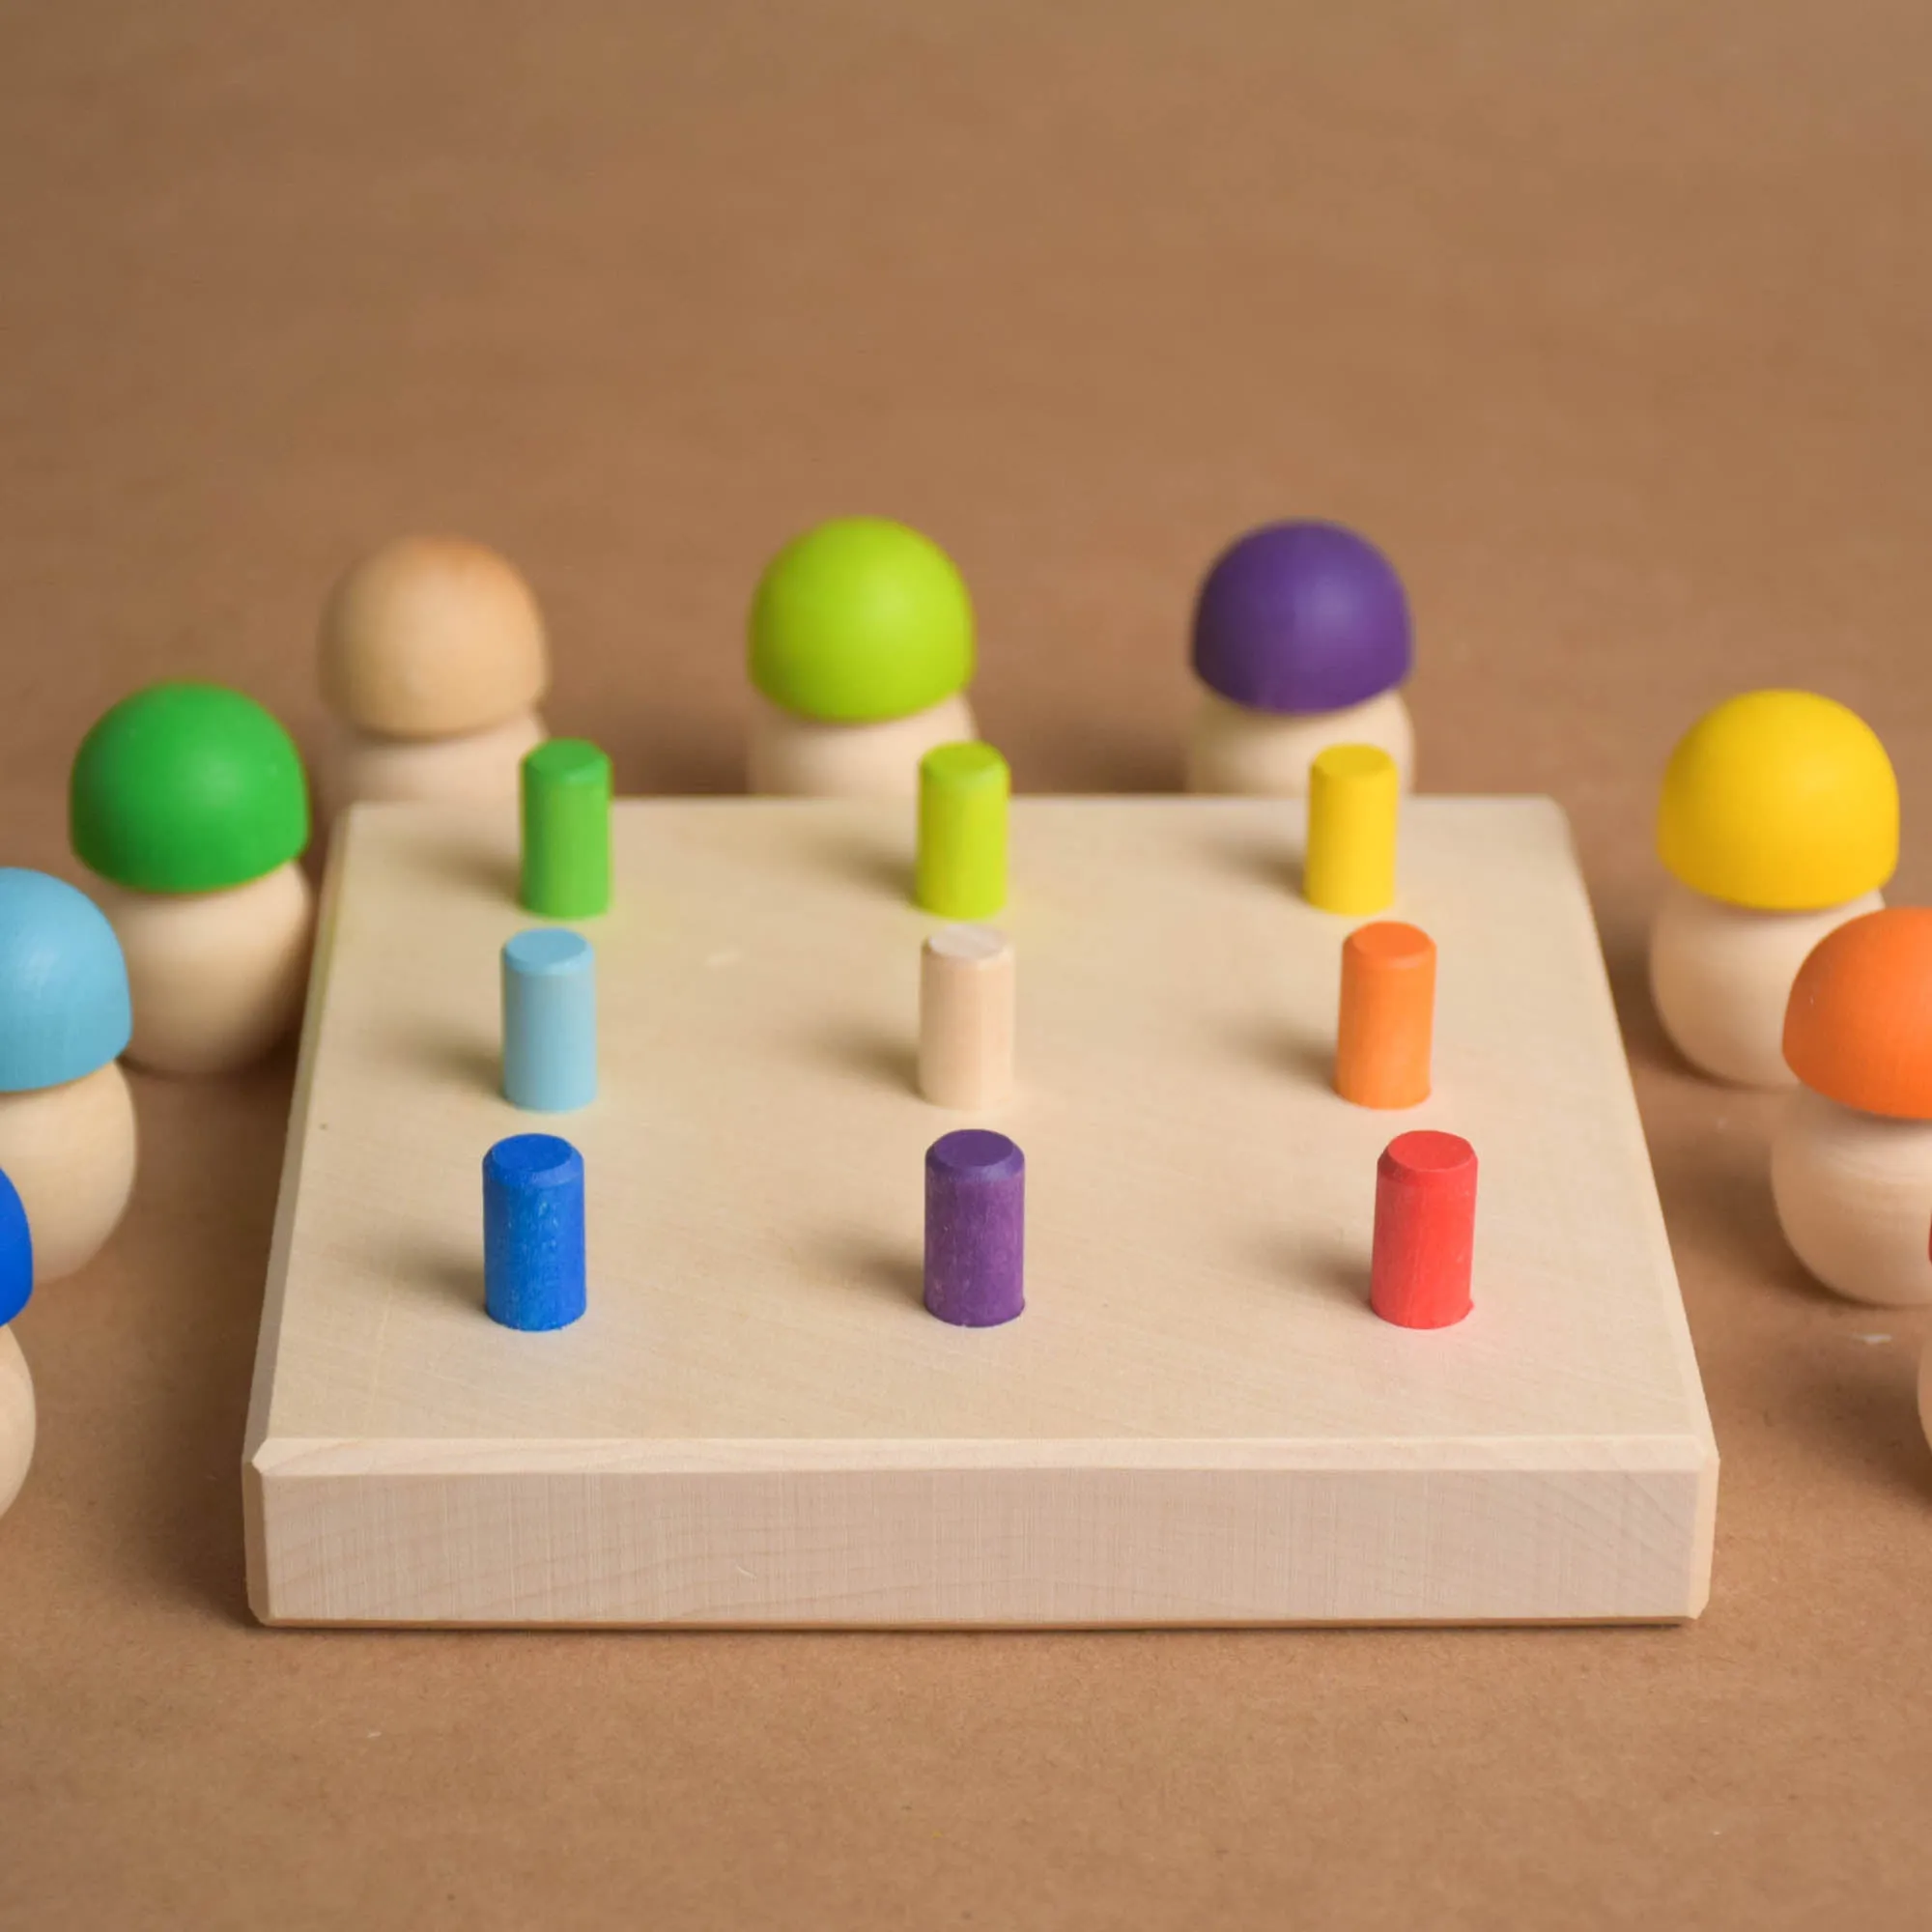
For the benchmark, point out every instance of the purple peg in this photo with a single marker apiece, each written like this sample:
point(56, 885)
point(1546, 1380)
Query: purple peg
point(974, 1228)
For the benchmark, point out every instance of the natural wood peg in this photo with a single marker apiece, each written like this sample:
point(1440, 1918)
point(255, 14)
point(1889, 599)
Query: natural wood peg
point(966, 988)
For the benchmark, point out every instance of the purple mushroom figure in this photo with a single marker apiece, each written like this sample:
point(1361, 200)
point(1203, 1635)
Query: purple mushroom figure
point(1301, 641)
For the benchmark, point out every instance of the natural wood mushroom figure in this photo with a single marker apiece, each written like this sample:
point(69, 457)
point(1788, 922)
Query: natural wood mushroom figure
point(434, 660)
point(861, 652)
point(1851, 1165)
point(1778, 821)
point(67, 1120)
point(1301, 641)
point(188, 803)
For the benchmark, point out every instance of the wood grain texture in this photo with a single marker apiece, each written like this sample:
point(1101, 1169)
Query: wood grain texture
point(1197, 1420)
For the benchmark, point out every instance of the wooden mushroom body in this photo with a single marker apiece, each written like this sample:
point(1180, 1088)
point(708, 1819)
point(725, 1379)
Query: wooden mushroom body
point(792, 757)
point(189, 806)
point(1851, 1168)
point(16, 1385)
point(433, 661)
point(1234, 749)
point(479, 768)
point(1301, 640)
point(67, 1120)
point(1777, 822)
point(861, 649)
point(1720, 977)
point(18, 1420)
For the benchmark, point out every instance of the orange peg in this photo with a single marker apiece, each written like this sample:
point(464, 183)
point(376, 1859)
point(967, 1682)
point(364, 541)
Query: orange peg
point(1388, 1015)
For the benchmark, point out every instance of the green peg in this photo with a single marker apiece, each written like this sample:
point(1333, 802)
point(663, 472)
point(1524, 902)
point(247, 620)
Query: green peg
point(566, 787)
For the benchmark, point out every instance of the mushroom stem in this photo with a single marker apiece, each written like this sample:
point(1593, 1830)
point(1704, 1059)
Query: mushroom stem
point(1231, 747)
point(476, 767)
point(216, 977)
point(1720, 977)
point(69, 1150)
point(794, 756)
point(1854, 1195)
point(16, 1419)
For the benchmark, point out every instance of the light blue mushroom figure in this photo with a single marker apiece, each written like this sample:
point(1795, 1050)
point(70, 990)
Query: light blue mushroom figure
point(67, 1119)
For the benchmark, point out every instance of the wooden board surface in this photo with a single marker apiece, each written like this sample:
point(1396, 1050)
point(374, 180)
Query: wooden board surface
point(1197, 1420)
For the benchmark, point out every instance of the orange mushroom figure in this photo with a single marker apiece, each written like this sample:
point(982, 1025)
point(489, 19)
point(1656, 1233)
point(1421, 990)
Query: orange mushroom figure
point(1851, 1166)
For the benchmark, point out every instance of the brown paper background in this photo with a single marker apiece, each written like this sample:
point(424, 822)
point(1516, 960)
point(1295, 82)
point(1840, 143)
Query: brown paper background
point(1611, 322)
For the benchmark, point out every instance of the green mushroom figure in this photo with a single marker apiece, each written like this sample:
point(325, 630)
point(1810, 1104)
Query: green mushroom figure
point(189, 806)
point(861, 652)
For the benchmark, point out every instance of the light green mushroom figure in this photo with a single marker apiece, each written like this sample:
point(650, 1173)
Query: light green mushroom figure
point(861, 652)
point(189, 806)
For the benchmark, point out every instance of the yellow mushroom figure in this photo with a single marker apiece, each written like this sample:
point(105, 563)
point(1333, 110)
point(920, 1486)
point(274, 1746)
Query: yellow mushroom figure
point(1778, 822)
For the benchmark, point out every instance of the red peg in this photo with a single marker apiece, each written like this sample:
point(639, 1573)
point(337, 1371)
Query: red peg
point(1425, 1230)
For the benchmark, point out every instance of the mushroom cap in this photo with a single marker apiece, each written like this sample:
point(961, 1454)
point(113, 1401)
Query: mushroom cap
point(1780, 801)
point(859, 620)
point(64, 1006)
point(187, 787)
point(17, 1253)
point(1299, 617)
point(432, 638)
point(1858, 1028)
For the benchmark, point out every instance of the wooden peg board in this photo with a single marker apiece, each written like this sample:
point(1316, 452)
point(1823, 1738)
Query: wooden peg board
point(1196, 1421)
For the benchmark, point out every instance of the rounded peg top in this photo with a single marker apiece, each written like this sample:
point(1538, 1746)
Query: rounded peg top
point(968, 944)
point(187, 787)
point(967, 769)
point(1301, 617)
point(432, 637)
point(525, 1162)
point(566, 785)
point(976, 1156)
point(64, 1004)
point(960, 871)
point(1858, 1028)
point(1427, 1151)
point(1779, 801)
point(859, 620)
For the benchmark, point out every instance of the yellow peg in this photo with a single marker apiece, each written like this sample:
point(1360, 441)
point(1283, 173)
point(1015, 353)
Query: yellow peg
point(1353, 797)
